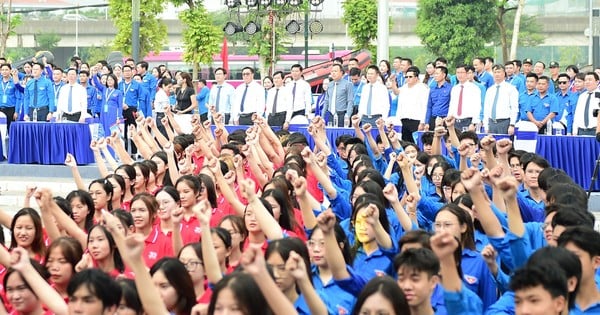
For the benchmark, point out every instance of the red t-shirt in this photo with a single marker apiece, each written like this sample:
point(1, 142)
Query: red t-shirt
point(190, 230)
point(157, 246)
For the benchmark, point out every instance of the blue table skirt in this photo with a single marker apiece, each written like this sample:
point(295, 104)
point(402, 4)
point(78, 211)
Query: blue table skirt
point(49, 143)
point(2, 137)
point(576, 155)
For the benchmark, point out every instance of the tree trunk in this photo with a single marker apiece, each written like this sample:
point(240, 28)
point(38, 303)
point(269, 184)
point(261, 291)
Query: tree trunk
point(500, 24)
point(5, 28)
point(517, 25)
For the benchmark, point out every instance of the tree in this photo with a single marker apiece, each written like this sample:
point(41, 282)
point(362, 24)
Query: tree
point(95, 53)
point(512, 25)
point(46, 41)
point(361, 18)
point(261, 44)
point(8, 23)
point(459, 33)
point(153, 33)
point(200, 37)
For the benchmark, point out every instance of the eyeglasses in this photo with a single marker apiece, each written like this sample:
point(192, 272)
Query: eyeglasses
point(437, 175)
point(563, 82)
point(313, 244)
point(192, 265)
point(444, 225)
point(515, 165)
point(246, 73)
point(408, 77)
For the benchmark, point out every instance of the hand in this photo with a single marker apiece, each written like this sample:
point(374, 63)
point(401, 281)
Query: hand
point(371, 215)
point(393, 136)
point(511, 130)
point(70, 160)
point(49, 117)
point(426, 127)
point(444, 244)
point(149, 121)
point(176, 216)
point(412, 200)
point(367, 128)
point(102, 144)
point(19, 259)
point(475, 159)
point(247, 189)
point(168, 148)
point(203, 212)
point(439, 122)
point(390, 193)
point(450, 120)
point(253, 261)
point(164, 121)
point(238, 161)
point(125, 107)
point(131, 131)
point(307, 155)
point(380, 123)
point(86, 262)
point(489, 256)
point(463, 150)
point(326, 221)
point(508, 187)
point(355, 121)
point(29, 190)
point(43, 197)
point(296, 266)
point(134, 245)
point(503, 146)
point(487, 143)
point(321, 159)
point(200, 309)
point(403, 161)
point(471, 179)
point(392, 157)
point(440, 131)
point(495, 174)
point(299, 186)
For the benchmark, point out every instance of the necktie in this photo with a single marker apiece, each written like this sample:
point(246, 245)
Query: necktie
point(35, 93)
point(243, 99)
point(333, 97)
point(70, 106)
point(586, 114)
point(293, 94)
point(369, 100)
point(218, 97)
point(460, 100)
point(275, 101)
point(495, 101)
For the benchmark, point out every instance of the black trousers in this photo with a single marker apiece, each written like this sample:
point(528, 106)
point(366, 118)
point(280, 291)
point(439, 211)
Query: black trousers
point(129, 114)
point(10, 113)
point(408, 127)
point(245, 120)
point(277, 119)
point(72, 117)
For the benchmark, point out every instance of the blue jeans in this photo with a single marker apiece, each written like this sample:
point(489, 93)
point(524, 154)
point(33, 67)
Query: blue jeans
point(42, 113)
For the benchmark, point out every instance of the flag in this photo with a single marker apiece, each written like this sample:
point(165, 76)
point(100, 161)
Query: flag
point(225, 55)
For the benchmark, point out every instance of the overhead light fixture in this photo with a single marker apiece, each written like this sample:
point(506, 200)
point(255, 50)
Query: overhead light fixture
point(293, 27)
point(315, 3)
point(232, 28)
point(280, 2)
point(233, 3)
point(265, 3)
point(252, 28)
point(315, 27)
point(295, 3)
point(252, 3)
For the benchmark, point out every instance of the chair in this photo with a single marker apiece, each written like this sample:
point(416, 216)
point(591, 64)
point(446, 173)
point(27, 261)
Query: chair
point(526, 134)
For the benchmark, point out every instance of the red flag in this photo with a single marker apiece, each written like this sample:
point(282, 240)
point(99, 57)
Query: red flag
point(225, 55)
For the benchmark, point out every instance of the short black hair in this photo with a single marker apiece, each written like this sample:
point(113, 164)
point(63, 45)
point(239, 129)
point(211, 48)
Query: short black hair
point(585, 238)
point(99, 284)
point(419, 260)
point(546, 274)
point(570, 216)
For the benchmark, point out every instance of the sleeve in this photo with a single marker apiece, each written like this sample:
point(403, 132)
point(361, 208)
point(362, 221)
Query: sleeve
point(463, 302)
point(349, 99)
point(326, 102)
point(555, 106)
point(477, 96)
point(530, 211)
point(504, 306)
point(353, 284)
point(152, 81)
point(571, 113)
point(309, 98)
point(26, 100)
point(429, 107)
point(51, 99)
point(119, 108)
point(340, 205)
point(514, 105)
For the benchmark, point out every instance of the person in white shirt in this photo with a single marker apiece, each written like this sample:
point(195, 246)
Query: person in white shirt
point(161, 101)
point(412, 104)
point(501, 105)
point(72, 99)
point(300, 91)
point(584, 123)
point(465, 101)
point(374, 100)
point(221, 95)
point(248, 99)
point(279, 101)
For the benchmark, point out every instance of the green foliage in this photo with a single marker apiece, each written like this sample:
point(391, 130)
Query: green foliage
point(261, 43)
point(153, 33)
point(570, 56)
point(200, 37)
point(456, 29)
point(361, 18)
point(46, 41)
point(16, 54)
point(95, 53)
point(530, 31)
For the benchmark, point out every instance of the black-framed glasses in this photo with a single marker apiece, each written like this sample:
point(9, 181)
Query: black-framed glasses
point(192, 265)
point(408, 77)
point(563, 82)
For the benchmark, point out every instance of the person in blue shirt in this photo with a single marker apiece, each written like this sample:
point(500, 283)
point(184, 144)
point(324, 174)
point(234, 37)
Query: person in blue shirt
point(39, 96)
point(357, 83)
point(8, 94)
point(92, 93)
point(584, 242)
point(381, 296)
point(476, 275)
point(202, 98)
point(439, 98)
point(57, 82)
point(417, 272)
point(513, 78)
point(150, 83)
point(527, 97)
point(544, 107)
point(565, 98)
point(111, 106)
point(484, 77)
point(458, 299)
point(133, 101)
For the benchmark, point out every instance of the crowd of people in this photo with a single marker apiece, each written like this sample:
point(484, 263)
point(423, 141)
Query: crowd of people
point(258, 222)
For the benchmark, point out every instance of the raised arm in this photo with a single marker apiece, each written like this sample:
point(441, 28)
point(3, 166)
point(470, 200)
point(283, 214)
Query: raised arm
point(333, 253)
point(211, 263)
point(471, 179)
point(72, 164)
point(267, 222)
point(443, 245)
point(391, 194)
point(297, 268)
point(107, 156)
point(95, 146)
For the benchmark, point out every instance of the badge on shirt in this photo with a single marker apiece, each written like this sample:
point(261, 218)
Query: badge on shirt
point(546, 105)
point(470, 279)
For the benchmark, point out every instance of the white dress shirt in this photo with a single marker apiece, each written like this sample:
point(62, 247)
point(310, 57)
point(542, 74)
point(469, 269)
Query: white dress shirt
point(380, 101)
point(253, 103)
point(507, 105)
point(302, 100)
point(161, 100)
point(78, 99)
point(579, 115)
point(471, 101)
point(284, 102)
point(412, 102)
point(225, 99)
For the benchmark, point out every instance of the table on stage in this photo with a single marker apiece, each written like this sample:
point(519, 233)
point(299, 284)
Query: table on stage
point(576, 155)
point(49, 143)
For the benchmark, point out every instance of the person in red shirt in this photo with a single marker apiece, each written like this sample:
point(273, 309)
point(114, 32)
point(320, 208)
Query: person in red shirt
point(142, 175)
point(188, 187)
point(157, 245)
point(128, 173)
point(63, 255)
point(102, 253)
point(26, 231)
point(174, 284)
point(191, 257)
point(20, 296)
point(235, 226)
point(82, 209)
